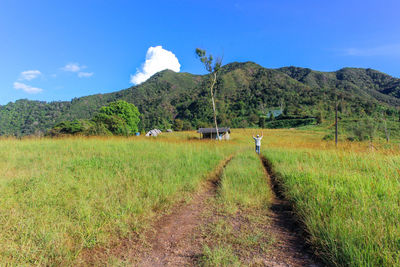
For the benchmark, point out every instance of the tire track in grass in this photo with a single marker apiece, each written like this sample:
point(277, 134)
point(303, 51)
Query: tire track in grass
point(290, 248)
point(171, 242)
point(235, 228)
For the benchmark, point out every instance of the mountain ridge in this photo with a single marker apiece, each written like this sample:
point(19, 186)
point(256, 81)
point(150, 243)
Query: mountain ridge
point(245, 92)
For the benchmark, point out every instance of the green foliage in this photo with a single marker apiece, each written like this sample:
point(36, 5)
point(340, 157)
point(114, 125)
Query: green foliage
point(364, 129)
point(75, 127)
point(178, 125)
point(329, 137)
point(113, 123)
point(117, 118)
point(243, 92)
point(120, 117)
point(290, 123)
point(209, 62)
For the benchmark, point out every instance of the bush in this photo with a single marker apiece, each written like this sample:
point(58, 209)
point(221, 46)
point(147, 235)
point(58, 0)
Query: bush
point(352, 139)
point(364, 129)
point(187, 126)
point(75, 127)
point(178, 125)
point(328, 137)
point(99, 129)
point(120, 117)
point(290, 123)
point(114, 124)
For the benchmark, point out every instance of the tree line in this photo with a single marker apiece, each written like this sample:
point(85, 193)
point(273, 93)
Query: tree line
point(117, 118)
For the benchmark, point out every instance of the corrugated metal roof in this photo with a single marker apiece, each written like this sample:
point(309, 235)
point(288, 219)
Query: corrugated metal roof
point(213, 130)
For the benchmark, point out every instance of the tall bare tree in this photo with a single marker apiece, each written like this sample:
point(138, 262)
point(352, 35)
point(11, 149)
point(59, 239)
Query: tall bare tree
point(212, 66)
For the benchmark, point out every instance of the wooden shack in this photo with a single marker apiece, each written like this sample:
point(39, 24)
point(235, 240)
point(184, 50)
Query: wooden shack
point(211, 133)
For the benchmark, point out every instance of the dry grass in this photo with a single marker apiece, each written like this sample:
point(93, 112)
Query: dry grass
point(61, 196)
point(347, 197)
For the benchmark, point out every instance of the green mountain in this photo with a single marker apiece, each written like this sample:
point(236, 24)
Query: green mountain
point(245, 95)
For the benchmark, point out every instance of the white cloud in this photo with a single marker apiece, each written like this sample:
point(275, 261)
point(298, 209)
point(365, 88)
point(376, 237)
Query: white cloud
point(73, 67)
point(85, 74)
point(157, 59)
point(27, 88)
point(384, 50)
point(77, 68)
point(29, 75)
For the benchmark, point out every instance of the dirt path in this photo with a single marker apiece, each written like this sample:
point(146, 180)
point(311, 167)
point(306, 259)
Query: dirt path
point(290, 247)
point(172, 242)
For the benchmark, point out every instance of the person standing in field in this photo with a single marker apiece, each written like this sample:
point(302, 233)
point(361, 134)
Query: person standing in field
point(257, 140)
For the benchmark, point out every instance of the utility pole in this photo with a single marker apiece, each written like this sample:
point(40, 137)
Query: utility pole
point(385, 127)
point(336, 122)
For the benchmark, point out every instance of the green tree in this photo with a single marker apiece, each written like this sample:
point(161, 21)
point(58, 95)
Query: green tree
point(186, 126)
point(120, 117)
point(178, 125)
point(271, 116)
point(212, 66)
point(261, 122)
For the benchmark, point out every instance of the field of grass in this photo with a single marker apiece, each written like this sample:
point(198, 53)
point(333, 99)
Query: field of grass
point(59, 197)
point(242, 202)
point(348, 198)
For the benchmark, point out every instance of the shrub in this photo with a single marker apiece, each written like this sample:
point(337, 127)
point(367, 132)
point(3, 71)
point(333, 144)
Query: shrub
point(328, 137)
point(120, 117)
point(289, 123)
point(75, 127)
point(178, 125)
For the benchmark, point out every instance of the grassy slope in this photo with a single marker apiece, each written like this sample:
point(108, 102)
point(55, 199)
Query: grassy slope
point(348, 198)
point(61, 196)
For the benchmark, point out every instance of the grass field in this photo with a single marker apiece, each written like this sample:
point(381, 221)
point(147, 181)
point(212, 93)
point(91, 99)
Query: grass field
point(60, 197)
point(348, 198)
point(243, 201)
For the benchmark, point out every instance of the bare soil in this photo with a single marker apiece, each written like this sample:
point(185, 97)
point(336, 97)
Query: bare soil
point(176, 238)
point(172, 243)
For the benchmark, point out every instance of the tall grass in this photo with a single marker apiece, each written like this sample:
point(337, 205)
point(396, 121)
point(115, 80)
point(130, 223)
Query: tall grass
point(244, 183)
point(349, 201)
point(236, 234)
point(61, 196)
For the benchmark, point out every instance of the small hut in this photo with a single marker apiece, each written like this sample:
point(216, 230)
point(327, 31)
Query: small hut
point(211, 133)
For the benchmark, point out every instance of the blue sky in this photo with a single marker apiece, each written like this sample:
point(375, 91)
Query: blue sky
point(57, 50)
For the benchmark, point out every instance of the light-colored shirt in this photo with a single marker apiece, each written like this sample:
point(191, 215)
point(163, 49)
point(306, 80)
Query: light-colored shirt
point(257, 140)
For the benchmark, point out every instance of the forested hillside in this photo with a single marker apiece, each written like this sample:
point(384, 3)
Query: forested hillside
point(245, 95)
